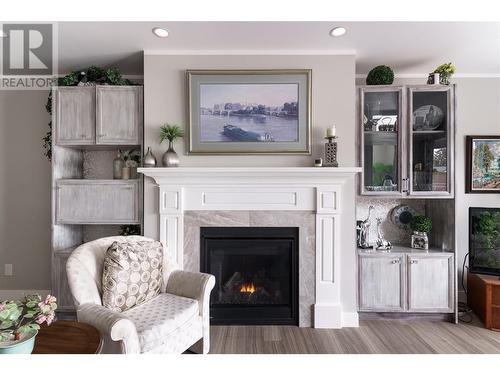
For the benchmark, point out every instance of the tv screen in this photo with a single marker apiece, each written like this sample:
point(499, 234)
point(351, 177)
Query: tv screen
point(484, 240)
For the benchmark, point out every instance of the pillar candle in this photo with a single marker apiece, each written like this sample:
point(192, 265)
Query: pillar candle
point(330, 132)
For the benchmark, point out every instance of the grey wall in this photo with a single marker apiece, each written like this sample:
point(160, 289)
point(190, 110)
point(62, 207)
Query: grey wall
point(333, 101)
point(24, 190)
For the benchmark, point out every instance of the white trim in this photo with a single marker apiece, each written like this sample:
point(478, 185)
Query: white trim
point(148, 52)
point(425, 75)
point(14, 294)
point(350, 319)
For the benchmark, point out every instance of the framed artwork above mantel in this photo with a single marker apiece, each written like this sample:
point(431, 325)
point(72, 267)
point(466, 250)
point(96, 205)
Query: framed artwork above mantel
point(249, 111)
point(482, 164)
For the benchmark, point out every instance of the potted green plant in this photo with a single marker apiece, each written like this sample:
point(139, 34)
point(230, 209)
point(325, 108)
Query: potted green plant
point(131, 160)
point(445, 72)
point(20, 321)
point(421, 226)
point(170, 133)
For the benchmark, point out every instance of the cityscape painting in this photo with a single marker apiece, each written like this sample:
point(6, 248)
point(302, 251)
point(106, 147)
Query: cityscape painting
point(249, 112)
point(483, 157)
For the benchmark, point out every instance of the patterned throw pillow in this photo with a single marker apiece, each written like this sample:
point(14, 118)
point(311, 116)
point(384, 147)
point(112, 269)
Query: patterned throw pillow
point(132, 274)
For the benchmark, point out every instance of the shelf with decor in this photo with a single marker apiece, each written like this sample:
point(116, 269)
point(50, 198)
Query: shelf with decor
point(406, 140)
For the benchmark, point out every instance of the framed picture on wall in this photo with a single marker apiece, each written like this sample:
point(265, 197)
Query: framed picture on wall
point(249, 111)
point(483, 164)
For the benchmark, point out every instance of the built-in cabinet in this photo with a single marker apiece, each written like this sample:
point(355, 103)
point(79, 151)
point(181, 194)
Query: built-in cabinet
point(406, 281)
point(406, 140)
point(106, 115)
point(90, 124)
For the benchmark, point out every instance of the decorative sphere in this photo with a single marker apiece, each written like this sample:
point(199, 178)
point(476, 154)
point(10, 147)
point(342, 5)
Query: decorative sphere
point(380, 75)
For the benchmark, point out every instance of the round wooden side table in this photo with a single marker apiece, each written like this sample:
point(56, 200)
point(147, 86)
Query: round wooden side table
point(66, 337)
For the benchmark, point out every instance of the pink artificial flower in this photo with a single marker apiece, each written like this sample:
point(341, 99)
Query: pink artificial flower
point(49, 299)
point(2, 306)
point(41, 319)
point(50, 318)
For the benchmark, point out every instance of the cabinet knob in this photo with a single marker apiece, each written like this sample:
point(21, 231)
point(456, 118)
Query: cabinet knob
point(395, 261)
point(413, 261)
point(103, 135)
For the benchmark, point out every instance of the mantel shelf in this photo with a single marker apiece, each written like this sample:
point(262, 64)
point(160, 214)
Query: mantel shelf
point(248, 175)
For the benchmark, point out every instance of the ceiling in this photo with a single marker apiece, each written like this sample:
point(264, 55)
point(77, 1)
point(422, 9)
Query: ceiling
point(408, 47)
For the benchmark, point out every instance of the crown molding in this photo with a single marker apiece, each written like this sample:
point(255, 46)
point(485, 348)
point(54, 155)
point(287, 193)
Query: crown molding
point(425, 75)
point(348, 52)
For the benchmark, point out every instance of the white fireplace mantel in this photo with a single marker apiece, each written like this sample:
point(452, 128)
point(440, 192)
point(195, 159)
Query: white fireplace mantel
point(329, 192)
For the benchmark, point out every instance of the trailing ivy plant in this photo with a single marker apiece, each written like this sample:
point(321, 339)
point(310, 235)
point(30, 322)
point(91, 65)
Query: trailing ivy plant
point(94, 76)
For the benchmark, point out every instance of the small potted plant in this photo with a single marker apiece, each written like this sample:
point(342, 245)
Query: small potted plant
point(20, 321)
point(131, 160)
point(170, 133)
point(421, 226)
point(445, 72)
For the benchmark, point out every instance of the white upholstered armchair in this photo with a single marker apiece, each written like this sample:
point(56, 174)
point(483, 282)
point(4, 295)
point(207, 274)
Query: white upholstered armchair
point(169, 323)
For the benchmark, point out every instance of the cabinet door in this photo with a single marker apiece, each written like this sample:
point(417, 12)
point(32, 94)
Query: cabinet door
point(431, 140)
point(60, 286)
point(119, 114)
point(74, 115)
point(381, 282)
point(380, 130)
point(97, 202)
point(430, 283)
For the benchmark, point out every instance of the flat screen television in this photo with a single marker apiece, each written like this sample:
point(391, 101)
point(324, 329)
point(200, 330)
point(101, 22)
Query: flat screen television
point(484, 240)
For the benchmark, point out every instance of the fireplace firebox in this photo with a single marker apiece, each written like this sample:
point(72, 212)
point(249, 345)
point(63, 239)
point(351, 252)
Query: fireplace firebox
point(256, 271)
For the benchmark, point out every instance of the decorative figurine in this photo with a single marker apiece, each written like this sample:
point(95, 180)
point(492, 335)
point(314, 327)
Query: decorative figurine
point(331, 148)
point(382, 244)
point(364, 230)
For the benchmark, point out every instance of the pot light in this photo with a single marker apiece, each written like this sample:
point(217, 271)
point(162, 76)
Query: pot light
point(160, 33)
point(338, 31)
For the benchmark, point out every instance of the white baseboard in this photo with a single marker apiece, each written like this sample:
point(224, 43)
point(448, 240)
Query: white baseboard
point(8, 295)
point(350, 319)
point(327, 315)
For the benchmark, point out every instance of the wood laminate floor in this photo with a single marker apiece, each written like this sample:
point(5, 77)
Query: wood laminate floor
point(373, 336)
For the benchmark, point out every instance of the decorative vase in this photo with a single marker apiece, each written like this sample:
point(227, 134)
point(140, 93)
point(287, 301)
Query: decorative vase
point(133, 173)
point(126, 173)
point(149, 159)
point(420, 240)
point(444, 80)
point(118, 164)
point(170, 157)
point(23, 346)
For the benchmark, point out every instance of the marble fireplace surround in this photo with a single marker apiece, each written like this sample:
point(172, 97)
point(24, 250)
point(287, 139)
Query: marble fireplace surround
point(320, 201)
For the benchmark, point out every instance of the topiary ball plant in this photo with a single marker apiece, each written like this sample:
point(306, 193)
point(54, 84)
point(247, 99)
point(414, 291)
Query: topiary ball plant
point(420, 223)
point(380, 75)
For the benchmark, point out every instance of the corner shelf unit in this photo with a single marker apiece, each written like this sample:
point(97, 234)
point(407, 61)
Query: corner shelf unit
point(90, 124)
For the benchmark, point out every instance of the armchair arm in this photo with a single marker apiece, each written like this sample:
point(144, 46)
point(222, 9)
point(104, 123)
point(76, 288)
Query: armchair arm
point(195, 285)
point(111, 325)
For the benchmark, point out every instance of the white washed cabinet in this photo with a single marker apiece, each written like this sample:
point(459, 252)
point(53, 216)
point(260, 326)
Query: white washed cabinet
point(406, 281)
point(60, 286)
point(118, 114)
point(97, 202)
point(102, 115)
point(430, 283)
point(74, 115)
point(381, 282)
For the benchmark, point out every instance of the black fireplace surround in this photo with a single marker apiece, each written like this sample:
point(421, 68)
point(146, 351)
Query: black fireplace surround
point(256, 271)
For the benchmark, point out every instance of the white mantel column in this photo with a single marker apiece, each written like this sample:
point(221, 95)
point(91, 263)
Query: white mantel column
point(171, 222)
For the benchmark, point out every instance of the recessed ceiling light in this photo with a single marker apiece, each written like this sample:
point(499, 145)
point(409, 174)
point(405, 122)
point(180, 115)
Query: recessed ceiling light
point(338, 31)
point(160, 33)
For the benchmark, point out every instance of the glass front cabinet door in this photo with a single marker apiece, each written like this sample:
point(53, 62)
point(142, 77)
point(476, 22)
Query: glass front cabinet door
point(430, 140)
point(406, 140)
point(381, 137)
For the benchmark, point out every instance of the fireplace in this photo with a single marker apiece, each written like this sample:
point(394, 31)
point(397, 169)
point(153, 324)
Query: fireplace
point(256, 271)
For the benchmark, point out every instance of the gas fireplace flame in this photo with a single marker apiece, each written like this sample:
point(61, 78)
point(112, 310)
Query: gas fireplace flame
point(248, 288)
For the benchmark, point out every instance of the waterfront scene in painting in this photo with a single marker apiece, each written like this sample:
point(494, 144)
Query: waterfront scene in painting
point(249, 112)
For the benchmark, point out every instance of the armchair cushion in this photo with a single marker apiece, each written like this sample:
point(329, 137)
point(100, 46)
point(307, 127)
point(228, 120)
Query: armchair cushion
point(157, 318)
point(132, 274)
